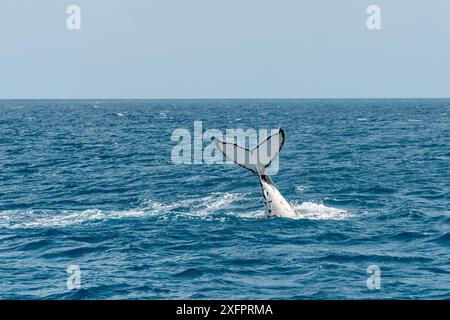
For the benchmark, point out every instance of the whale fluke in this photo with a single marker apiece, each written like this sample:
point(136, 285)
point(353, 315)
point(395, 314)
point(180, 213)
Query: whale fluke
point(257, 160)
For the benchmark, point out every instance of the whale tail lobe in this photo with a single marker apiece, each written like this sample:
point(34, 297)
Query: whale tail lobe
point(258, 159)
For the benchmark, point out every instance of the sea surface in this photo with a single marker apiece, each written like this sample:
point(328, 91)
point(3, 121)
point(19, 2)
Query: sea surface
point(91, 184)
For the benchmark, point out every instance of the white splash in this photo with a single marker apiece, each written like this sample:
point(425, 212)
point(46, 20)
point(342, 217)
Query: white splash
point(318, 211)
point(215, 206)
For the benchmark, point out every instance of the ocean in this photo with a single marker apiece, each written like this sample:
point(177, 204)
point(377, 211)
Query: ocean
point(90, 185)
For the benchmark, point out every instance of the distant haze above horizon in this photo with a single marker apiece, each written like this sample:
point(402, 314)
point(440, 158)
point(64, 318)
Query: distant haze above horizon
point(172, 49)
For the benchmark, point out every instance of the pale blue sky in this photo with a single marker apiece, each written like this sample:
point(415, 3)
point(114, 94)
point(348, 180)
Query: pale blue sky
point(224, 49)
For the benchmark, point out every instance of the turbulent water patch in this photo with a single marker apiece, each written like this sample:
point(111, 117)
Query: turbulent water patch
point(214, 206)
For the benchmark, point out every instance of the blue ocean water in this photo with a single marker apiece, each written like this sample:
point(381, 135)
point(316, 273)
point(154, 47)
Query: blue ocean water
point(92, 184)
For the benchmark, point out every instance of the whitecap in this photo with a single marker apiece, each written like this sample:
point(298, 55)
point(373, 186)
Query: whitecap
point(301, 189)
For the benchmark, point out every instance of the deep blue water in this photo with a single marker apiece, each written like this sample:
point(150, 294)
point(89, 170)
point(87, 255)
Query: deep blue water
point(91, 183)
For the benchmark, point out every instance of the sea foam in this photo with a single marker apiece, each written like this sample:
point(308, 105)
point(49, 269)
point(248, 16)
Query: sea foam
point(215, 206)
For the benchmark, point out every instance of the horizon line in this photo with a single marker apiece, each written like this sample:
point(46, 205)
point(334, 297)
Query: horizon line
point(354, 98)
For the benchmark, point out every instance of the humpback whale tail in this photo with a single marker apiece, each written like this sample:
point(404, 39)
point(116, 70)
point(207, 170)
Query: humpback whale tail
point(258, 159)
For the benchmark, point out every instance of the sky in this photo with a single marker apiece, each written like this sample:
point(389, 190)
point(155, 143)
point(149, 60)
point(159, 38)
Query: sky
point(224, 49)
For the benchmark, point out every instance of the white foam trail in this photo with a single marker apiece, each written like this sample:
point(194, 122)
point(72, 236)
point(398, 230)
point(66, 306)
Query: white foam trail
point(212, 207)
point(204, 206)
point(65, 218)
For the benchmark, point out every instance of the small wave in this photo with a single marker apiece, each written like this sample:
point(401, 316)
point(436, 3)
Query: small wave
point(362, 119)
point(119, 114)
point(189, 273)
point(443, 238)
